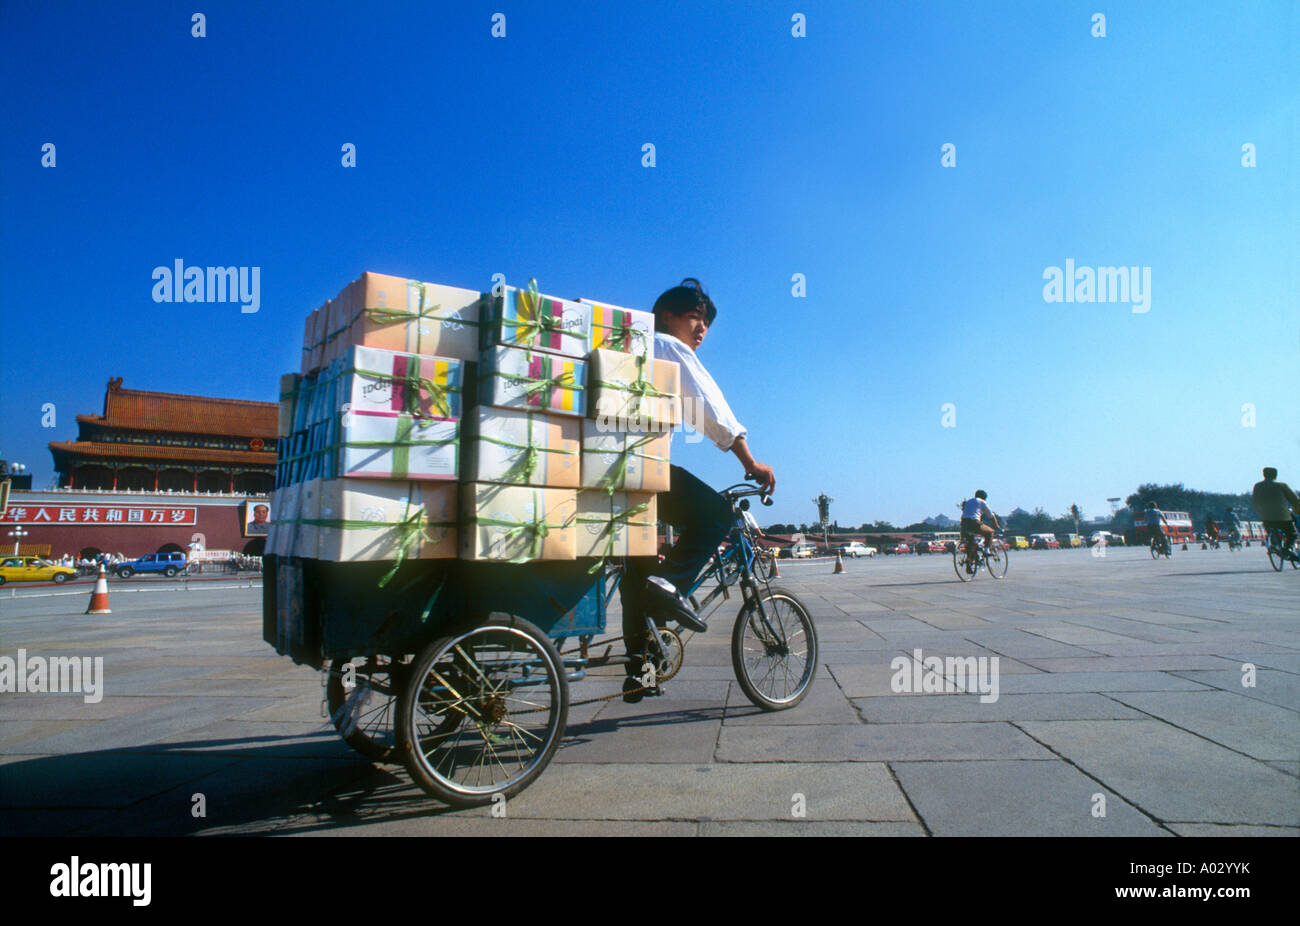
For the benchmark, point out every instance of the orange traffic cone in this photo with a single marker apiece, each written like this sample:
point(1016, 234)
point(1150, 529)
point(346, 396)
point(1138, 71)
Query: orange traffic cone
point(99, 597)
point(776, 572)
point(839, 565)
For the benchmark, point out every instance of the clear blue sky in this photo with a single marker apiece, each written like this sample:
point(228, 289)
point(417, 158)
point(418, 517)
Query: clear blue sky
point(775, 155)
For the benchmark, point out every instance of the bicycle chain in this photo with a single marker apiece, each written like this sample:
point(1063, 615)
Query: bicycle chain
point(619, 694)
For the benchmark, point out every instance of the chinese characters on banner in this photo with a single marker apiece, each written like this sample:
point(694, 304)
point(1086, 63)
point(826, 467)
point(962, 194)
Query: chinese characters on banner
point(99, 514)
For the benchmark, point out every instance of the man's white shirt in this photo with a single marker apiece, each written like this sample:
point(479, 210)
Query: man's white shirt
point(974, 507)
point(704, 407)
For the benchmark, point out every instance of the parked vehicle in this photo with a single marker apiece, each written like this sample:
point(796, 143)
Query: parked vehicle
point(169, 564)
point(856, 549)
point(932, 546)
point(1019, 542)
point(803, 550)
point(1070, 540)
point(898, 548)
point(33, 569)
point(1043, 542)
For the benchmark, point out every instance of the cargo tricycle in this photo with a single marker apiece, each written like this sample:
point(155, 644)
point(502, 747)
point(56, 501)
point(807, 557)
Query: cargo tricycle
point(461, 670)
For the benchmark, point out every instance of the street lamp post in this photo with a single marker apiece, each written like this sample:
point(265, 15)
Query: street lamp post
point(17, 533)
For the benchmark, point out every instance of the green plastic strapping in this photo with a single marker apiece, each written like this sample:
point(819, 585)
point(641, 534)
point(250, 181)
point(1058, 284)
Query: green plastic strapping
point(527, 331)
point(611, 529)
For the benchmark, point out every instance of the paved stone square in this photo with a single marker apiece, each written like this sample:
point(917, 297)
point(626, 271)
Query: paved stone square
point(1120, 710)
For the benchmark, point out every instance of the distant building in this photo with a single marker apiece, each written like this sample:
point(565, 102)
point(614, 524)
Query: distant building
point(158, 441)
point(1020, 513)
point(156, 472)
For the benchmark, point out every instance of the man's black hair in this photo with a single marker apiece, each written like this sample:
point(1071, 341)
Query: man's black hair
point(1270, 472)
point(688, 297)
point(980, 493)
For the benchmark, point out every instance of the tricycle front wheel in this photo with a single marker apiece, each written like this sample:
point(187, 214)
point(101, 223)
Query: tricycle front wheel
point(775, 660)
point(482, 711)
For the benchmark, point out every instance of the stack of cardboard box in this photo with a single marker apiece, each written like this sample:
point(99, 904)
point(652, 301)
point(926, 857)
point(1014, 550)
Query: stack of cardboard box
point(431, 422)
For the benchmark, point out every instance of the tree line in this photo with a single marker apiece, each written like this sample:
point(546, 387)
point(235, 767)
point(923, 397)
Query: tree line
point(1167, 498)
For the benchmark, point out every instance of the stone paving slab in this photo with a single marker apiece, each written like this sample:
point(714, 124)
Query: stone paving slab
point(1285, 662)
point(301, 709)
point(1226, 648)
point(182, 714)
point(956, 708)
point(1122, 664)
point(867, 681)
point(107, 779)
point(1280, 688)
point(1172, 775)
point(1045, 682)
point(760, 792)
point(876, 743)
point(1074, 633)
point(825, 703)
point(1257, 728)
point(314, 740)
point(75, 707)
point(652, 731)
point(1020, 644)
point(999, 798)
point(507, 826)
point(809, 828)
point(1216, 829)
point(949, 620)
point(239, 794)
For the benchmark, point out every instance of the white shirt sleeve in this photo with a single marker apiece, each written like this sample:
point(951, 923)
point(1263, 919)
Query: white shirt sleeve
point(704, 407)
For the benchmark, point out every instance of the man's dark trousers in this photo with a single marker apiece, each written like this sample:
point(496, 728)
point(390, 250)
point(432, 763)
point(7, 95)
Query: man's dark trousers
point(702, 519)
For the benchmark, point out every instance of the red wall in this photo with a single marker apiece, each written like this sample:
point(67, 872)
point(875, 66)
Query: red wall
point(221, 523)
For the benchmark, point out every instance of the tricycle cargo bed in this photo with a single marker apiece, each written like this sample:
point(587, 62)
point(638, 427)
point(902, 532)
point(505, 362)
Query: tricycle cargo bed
point(315, 611)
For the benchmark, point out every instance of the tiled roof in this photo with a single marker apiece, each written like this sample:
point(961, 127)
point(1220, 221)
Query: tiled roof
point(139, 410)
point(190, 455)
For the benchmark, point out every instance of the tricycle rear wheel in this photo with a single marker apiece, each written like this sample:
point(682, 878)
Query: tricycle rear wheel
point(365, 714)
point(482, 711)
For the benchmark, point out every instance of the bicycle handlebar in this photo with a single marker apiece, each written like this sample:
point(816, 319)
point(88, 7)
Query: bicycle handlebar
point(741, 489)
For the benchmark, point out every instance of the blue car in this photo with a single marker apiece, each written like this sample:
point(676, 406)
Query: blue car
point(169, 564)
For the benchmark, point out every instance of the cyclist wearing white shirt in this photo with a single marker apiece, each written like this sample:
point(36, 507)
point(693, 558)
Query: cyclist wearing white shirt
point(702, 517)
point(973, 511)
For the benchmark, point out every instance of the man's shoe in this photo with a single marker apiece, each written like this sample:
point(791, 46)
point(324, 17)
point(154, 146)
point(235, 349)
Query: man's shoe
point(665, 602)
point(632, 690)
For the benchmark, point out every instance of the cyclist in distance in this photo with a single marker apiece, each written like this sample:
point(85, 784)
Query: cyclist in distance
point(1211, 530)
point(1232, 524)
point(1275, 503)
point(683, 316)
point(973, 512)
point(1156, 525)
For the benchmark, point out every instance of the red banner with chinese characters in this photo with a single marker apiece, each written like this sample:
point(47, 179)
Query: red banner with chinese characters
point(116, 515)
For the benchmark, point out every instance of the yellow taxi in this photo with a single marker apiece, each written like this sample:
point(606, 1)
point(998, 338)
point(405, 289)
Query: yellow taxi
point(1018, 542)
point(33, 569)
